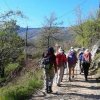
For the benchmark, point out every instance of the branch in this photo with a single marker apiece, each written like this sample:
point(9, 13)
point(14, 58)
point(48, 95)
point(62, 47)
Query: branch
point(12, 13)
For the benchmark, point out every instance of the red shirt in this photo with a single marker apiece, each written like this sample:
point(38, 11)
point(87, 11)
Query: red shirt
point(60, 58)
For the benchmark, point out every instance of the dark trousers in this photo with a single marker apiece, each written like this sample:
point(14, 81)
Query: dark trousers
point(86, 66)
point(81, 66)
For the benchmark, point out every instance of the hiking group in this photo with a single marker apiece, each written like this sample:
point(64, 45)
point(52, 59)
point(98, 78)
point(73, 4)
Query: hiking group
point(55, 62)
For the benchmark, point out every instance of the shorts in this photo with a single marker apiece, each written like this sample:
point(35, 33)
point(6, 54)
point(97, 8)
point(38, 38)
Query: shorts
point(71, 65)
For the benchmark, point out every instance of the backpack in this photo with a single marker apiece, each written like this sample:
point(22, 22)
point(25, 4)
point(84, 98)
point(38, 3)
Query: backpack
point(87, 57)
point(46, 60)
point(72, 58)
point(81, 56)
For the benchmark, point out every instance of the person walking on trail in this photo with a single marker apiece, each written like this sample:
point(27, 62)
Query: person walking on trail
point(65, 62)
point(49, 60)
point(60, 61)
point(72, 60)
point(80, 57)
point(57, 49)
point(86, 63)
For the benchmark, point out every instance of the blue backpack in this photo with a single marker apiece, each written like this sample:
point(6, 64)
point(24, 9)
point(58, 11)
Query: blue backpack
point(81, 56)
point(72, 58)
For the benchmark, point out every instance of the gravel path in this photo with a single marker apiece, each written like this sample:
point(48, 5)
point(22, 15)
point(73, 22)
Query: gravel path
point(78, 89)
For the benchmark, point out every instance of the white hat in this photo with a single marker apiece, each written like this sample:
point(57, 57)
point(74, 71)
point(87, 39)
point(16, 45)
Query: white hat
point(72, 48)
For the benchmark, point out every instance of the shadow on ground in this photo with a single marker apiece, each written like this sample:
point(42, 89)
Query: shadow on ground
point(74, 95)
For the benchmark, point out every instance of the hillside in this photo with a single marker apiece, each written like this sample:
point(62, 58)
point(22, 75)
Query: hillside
point(34, 33)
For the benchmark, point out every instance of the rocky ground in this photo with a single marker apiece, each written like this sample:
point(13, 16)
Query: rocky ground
point(78, 89)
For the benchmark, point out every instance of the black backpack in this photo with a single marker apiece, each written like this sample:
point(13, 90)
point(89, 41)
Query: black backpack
point(47, 57)
point(46, 60)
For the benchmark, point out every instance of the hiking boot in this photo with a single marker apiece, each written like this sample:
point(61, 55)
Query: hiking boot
point(69, 79)
point(72, 76)
point(86, 79)
point(49, 90)
point(58, 85)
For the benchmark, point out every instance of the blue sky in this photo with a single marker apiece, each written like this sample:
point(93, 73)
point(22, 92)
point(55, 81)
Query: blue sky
point(36, 10)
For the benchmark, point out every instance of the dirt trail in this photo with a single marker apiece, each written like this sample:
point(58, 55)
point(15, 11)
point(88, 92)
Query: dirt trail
point(78, 89)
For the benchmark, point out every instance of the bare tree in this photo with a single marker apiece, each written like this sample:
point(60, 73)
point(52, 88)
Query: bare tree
point(79, 29)
point(50, 27)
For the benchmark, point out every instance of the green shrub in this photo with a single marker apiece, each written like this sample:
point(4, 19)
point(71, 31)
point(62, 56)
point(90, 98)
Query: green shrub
point(37, 54)
point(21, 59)
point(24, 88)
point(11, 67)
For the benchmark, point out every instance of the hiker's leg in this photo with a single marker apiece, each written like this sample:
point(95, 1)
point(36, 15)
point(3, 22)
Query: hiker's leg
point(73, 71)
point(88, 68)
point(44, 80)
point(69, 72)
point(85, 70)
point(49, 84)
point(51, 78)
point(47, 80)
point(80, 65)
point(63, 69)
point(60, 74)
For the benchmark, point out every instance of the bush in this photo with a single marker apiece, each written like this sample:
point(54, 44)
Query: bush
point(24, 88)
point(11, 67)
point(37, 54)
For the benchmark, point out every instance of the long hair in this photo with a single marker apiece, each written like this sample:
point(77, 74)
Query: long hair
point(51, 50)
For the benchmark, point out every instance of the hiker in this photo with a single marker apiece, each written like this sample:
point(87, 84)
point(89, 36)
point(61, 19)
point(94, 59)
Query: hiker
point(86, 62)
point(60, 61)
point(65, 62)
point(57, 49)
point(80, 56)
point(50, 68)
point(72, 60)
